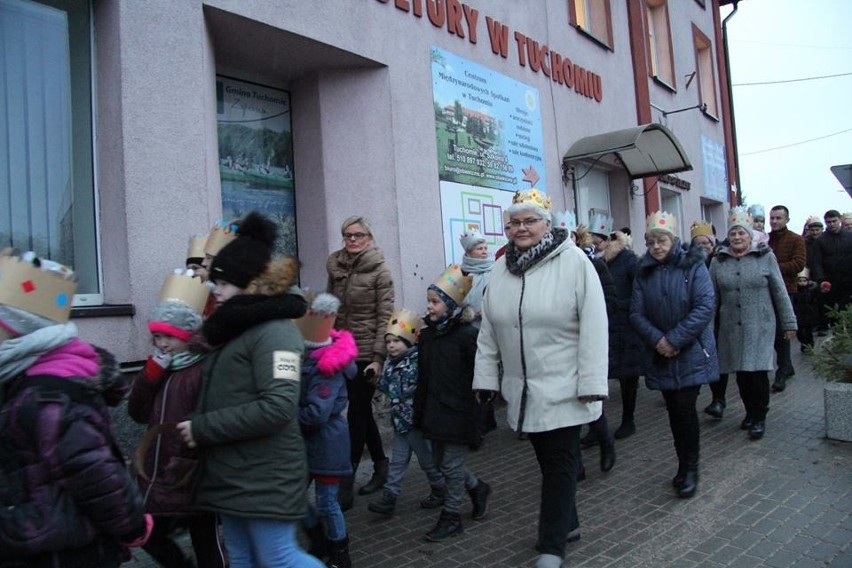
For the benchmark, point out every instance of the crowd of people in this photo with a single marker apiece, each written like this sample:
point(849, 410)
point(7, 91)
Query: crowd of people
point(255, 390)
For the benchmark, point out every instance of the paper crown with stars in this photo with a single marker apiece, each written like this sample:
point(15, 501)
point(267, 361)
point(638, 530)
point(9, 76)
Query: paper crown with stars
point(701, 228)
point(739, 216)
point(38, 286)
point(565, 220)
point(454, 284)
point(663, 221)
point(221, 234)
point(182, 286)
point(405, 324)
point(532, 197)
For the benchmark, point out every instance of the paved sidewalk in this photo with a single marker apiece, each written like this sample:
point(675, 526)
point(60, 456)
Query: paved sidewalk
point(782, 501)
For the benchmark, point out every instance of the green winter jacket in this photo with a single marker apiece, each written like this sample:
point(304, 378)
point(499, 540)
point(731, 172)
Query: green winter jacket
point(248, 421)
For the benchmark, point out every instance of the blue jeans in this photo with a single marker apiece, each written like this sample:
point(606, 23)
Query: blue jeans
point(449, 458)
point(403, 446)
point(328, 510)
point(266, 543)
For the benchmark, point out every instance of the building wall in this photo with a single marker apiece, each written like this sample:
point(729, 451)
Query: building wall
point(360, 81)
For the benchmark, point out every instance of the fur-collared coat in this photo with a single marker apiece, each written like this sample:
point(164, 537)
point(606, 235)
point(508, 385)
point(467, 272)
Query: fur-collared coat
point(247, 423)
point(364, 285)
point(750, 294)
point(625, 347)
point(674, 299)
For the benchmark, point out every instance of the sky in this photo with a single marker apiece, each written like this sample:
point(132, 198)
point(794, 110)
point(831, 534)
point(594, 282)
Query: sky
point(785, 40)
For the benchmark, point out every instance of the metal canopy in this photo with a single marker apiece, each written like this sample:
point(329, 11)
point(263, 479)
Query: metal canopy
point(844, 176)
point(646, 150)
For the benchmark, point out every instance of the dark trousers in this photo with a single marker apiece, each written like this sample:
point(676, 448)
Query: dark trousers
point(558, 454)
point(362, 424)
point(204, 531)
point(683, 421)
point(720, 387)
point(601, 429)
point(782, 352)
point(629, 389)
point(754, 392)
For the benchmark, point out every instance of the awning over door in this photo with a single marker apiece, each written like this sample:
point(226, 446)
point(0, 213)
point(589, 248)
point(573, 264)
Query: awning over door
point(646, 150)
point(844, 176)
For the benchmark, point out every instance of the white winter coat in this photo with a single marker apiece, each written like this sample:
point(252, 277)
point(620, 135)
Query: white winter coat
point(556, 348)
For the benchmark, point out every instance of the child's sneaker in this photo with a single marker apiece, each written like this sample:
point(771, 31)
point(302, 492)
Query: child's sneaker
point(434, 500)
point(479, 498)
point(449, 524)
point(385, 506)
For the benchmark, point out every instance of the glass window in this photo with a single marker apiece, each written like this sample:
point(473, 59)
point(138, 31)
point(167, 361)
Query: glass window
point(705, 71)
point(660, 42)
point(671, 201)
point(593, 17)
point(46, 157)
point(592, 194)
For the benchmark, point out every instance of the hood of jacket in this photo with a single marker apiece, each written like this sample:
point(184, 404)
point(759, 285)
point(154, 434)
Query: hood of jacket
point(620, 243)
point(367, 260)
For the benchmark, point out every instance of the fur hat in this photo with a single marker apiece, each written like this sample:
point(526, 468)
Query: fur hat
point(175, 318)
point(246, 257)
point(470, 239)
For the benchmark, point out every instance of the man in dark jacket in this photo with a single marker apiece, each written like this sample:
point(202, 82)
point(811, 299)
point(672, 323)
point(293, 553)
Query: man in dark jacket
point(832, 267)
point(789, 249)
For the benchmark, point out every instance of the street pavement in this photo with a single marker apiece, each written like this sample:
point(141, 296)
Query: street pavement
point(783, 501)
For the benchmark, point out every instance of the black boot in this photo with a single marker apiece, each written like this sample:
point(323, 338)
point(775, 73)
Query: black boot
point(629, 390)
point(607, 456)
point(590, 439)
point(690, 483)
point(380, 477)
point(318, 541)
point(716, 408)
point(384, 506)
point(479, 498)
point(345, 495)
point(746, 423)
point(435, 498)
point(339, 554)
point(758, 429)
point(677, 480)
point(449, 524)
point(780, 383)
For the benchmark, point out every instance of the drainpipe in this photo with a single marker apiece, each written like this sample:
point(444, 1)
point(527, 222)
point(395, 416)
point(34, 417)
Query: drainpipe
point(731, 98)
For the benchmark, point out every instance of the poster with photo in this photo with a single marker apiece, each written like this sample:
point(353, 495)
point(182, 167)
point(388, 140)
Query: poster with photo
point(490, 144)
point(256, 154)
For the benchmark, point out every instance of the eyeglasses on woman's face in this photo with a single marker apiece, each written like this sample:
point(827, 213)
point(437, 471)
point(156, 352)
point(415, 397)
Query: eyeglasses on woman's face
point(354, 236)
point(528, 222)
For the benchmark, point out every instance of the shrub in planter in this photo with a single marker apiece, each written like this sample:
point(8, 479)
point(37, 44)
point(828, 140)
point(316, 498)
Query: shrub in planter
point(832, 361)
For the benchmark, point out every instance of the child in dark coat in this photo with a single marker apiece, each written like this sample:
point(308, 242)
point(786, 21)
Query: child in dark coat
point(399, 383)
point(329, 362)
point(164, 393)
point(66, 498)
point(806, 305)
point(445, 407)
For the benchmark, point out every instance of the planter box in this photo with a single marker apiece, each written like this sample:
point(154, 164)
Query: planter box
point(838, 411)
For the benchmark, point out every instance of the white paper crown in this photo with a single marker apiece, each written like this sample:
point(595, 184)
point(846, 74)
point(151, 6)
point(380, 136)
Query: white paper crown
point(405, 324)
point(600, 224)
point(184, 287)
point(221, 234)
point(454, 284)
point(470, 239)
point(739, 215)
point(46, 291)
point(566, 220)
point(662, 220)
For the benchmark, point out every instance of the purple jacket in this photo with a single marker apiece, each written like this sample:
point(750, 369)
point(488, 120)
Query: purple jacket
point(65, 494)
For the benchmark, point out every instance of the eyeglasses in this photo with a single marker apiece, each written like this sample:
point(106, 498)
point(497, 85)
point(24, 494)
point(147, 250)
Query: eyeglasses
point(514, 223)
point(353, 236)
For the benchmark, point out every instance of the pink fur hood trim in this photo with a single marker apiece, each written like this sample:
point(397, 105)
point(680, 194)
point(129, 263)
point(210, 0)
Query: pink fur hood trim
point(338, 355)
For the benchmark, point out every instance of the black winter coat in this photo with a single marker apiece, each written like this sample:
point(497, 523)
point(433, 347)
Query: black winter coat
point(444, 404)
point(625, 347)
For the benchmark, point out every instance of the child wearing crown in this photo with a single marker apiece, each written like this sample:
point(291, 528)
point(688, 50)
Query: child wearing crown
point(444, 405)
point(327, 365)
point(66, 498)
point(399, 383)
point(164, 393)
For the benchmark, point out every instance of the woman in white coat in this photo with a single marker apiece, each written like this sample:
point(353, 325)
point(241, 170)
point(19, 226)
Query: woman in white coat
point(544, 319)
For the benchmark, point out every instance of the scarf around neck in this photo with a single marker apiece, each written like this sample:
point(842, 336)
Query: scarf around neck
point(476, 265)
point(20, 353)
point(518, 262)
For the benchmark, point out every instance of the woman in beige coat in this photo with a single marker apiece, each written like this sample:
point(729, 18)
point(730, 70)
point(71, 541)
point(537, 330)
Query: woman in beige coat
point(359, 277)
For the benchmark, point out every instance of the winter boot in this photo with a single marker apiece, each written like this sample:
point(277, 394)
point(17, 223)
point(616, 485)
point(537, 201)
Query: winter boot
point(607, 456)
point(435, 498)
point(339, 554)
point(629, 390)
point(449, 524)
point(345, 495)
point(479, 498)
point(380, 477)
point(690, 479)
point(385, 506)
point(590, 439)
point(716, 409)
point(677, 480)
point(318, 541)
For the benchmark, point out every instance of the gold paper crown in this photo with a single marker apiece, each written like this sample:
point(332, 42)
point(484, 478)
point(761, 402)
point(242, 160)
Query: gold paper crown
point(185, 288)
point(42, 292)
point(405, 324)
point(197, 244)
point(318, 321)
point(221, 234)
point(701, 228)
point(454, 284)
point(739, 215)
point(662, 220)
point(532, 197)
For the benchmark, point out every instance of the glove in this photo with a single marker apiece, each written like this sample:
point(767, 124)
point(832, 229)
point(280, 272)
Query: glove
point(149, 526)
point(825, 287)
point(155, 367)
